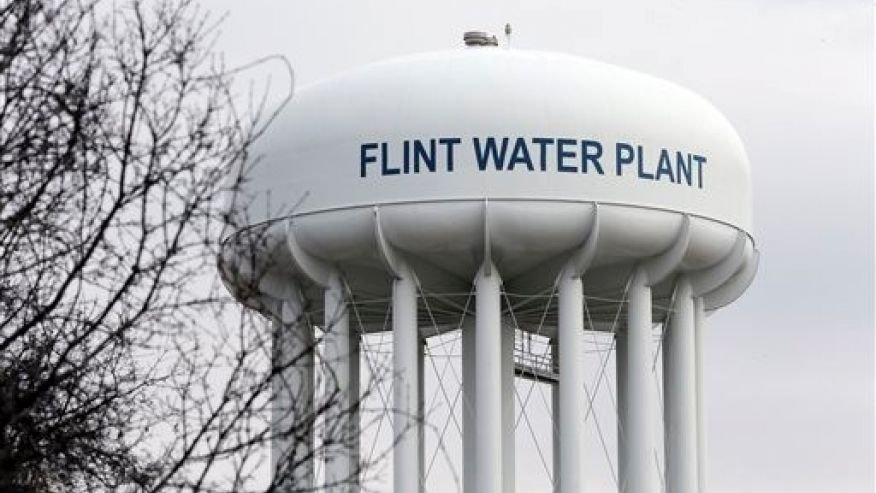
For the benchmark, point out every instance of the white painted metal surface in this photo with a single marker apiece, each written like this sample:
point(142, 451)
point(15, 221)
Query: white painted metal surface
point(556, 438)
point(572, 399)
point(636, 453)
point(342, 354)
point(407, 352)
point(293, 398)
point(489, 429)
point(469, 403)
point(699, 347)
point(503, 169)
point(679, 394)
point(508, 399)
point(316, 149)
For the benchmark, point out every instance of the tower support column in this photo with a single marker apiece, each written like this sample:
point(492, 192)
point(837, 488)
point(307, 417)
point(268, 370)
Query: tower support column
point(342, 358)
point(292, 388)
point(508, 397)
point(636, 395)
point(469, 393)
point(407, 388)
point(572, 399)
point(488, 381)
point(699, 348)
point(679, 394)
point(555, 418)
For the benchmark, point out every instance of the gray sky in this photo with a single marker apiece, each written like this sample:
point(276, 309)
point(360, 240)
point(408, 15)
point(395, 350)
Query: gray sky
point(790, 365)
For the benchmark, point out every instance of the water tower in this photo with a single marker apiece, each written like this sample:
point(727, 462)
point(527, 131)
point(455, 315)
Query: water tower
point(600, 198)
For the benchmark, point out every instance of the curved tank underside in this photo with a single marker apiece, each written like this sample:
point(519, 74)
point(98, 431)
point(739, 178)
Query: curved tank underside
point(445, 243)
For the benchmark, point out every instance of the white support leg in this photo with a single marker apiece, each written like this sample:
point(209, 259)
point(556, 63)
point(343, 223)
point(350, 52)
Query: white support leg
point(488, 378)
point(508, 438)
point(572, 399)
point(620, 342)
point(699, 347)
point(636, 411)
point(342, 356)
point(679, 394)
point(421, 411)
point(407, 368)
point(469, 393)
point(555, 418)
point(292, 447)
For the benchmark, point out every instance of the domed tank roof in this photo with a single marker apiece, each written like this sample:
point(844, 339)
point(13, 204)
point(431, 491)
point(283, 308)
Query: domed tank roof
point(490, 123)
point(527, 161)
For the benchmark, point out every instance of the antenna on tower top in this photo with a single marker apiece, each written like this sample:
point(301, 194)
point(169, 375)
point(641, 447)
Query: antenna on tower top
point(508, 35)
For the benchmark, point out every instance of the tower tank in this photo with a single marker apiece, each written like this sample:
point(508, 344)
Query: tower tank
point(534, 183)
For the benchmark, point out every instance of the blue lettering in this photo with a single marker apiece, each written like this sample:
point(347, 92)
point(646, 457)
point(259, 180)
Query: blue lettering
point(591, 157)
point(682, 167)
point(508, 153)
point(384, 165)
point(365, 158)
point(490, 151)
point(449, 142)
point(624, 154)
point(563, 154)
point(406, 163)
point(700, 160)
point(665, 166)
point(428, 158)
point(642, 173)
point(520, 154)
point(542, 143)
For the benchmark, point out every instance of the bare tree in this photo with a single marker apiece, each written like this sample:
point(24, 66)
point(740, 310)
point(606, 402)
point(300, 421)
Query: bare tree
point(124, 366)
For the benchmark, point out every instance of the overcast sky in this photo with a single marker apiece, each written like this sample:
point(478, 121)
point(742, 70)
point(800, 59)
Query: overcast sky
point(790, 365)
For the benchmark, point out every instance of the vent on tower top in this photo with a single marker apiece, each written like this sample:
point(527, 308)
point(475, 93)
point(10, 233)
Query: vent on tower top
point(479, 38)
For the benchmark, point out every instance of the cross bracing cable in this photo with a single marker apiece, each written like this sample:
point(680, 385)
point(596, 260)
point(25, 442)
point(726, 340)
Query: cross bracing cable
point(523, 412)
point(386, 407)
point(602, 376)
point(451, 416)
point(437, 307)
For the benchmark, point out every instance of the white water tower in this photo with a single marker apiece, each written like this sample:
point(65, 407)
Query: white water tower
point(568, 196)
